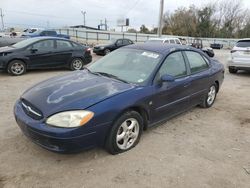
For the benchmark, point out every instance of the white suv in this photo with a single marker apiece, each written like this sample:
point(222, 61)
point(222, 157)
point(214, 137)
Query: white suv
point(165, 40)
point(240, 56)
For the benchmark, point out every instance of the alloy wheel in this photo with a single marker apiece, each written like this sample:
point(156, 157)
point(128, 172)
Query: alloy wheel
point(127, 134)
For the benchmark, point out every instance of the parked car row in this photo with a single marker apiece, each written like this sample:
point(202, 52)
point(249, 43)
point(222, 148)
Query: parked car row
point(43, 52)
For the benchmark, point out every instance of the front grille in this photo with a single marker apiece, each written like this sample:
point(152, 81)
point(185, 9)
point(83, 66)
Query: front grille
point(31, 110)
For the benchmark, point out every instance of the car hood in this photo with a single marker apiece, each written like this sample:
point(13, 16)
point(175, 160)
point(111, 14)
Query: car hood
point(6, 49)
point(77, 90)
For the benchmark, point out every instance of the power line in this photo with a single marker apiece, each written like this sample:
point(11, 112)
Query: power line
point(135, 4)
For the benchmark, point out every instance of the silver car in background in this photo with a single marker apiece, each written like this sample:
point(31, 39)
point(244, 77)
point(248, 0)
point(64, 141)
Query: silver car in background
point(240, 56)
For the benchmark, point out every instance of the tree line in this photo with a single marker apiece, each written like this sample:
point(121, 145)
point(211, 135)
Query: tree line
point(221, 19)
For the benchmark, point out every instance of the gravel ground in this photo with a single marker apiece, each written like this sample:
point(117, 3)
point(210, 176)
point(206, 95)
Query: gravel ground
point(200, 148)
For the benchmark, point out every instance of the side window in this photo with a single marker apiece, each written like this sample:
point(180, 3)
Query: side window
point(51, 33)
point(119, 42)
point(125, 42)
point(196, 61)
point(44, 45)
point(166, 41)
point(172, 41)
point(174, 65)
point(177, 41)
point(62, 44)
point(43, 33)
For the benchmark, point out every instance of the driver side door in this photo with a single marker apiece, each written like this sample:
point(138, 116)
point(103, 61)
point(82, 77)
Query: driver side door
point(41, 54)
point(171, 98)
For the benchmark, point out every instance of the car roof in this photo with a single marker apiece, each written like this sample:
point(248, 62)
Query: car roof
point(160, 47)
point(44, 38)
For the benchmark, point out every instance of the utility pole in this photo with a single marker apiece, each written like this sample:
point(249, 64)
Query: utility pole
point(105, 22)
point(1, 15)
point(159, 31)
point(84, 21)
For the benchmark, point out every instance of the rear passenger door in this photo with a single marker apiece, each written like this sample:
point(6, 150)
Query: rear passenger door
point(63, 53)
point(200, 74)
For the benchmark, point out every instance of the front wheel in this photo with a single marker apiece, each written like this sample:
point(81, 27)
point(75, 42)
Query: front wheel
point(232, 70)
point(125, 133)
point(16, 67)
point(210, 97)
point(76, 64)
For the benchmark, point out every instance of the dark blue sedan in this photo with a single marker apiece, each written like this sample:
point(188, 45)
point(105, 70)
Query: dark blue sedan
point(112, 101)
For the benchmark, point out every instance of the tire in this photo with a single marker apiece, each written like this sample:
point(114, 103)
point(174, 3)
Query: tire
point(76, 64)
point(16, 67)
point(210, 97)
point(232, 70)
point(106, 51)
point(116, 143)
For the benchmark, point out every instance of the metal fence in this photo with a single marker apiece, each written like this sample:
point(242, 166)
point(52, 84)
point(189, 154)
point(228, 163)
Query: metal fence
point(93, 37)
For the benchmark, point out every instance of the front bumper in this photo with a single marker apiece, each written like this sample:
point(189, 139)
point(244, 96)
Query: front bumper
point(61, 140)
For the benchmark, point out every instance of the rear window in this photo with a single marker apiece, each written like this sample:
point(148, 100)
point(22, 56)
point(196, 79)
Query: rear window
point(243, 43)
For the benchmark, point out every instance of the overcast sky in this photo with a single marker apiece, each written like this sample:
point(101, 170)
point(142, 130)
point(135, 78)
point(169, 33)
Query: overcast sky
point(56, 13)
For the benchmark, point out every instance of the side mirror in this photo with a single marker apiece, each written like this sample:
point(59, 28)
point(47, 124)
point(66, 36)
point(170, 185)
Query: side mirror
point(33, 50)
point(167, 78)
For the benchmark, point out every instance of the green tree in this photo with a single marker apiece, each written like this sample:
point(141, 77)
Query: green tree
point(144, 29)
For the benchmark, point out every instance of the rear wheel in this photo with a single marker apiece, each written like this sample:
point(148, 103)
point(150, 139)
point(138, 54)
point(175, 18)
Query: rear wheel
point(16, 67)
point(125, 133)
point(232, 70)
point(76, 64)
point(210, 98)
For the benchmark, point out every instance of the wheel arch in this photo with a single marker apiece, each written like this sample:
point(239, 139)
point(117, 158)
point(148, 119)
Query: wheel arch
point(139, 109)
point(19, 59)
point(217, 85)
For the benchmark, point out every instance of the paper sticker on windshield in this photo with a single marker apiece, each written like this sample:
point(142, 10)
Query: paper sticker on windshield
point(150, 54)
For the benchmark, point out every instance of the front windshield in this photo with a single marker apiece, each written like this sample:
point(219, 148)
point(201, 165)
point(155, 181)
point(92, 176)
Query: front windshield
point(130, 65)
point(24, 43)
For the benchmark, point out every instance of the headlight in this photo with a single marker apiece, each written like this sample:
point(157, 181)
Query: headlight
point(70, 119)
point(102, 47)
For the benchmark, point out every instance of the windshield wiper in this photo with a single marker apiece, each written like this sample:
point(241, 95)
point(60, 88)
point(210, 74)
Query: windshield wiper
point(110, 76)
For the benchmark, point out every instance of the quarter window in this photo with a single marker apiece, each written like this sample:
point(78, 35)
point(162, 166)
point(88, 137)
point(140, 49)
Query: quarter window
point(174, 65)
point(196, 61)
point(63, 44)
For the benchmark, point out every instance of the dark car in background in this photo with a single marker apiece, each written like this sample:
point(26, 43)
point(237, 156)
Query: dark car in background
point(45, 33)
point(197, 43)
point(111, 102)
point(111, 46)
point(216, 46)
point(43, 53)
